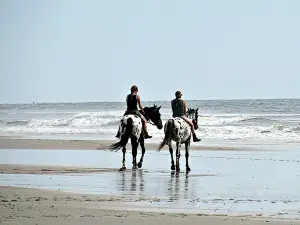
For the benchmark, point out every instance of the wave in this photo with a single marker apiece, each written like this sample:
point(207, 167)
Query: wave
point(205, 132)
point(234, 120)
point(15, 122)
point(224, 127)
point(56, 130)
point(258, 120)
point(275, 132)
point(296, 129)
point(80, 120)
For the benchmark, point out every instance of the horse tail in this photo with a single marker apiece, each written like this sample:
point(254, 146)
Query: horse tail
point(124, 137)
point(168, 134)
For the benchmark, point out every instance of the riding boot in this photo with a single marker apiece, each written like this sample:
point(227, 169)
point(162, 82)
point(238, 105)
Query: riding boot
point(145, 132)
point(147, 135)
point(195, 139)
point(118, 134)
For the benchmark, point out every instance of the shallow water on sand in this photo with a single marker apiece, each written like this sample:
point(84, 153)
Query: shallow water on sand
point(254, 182)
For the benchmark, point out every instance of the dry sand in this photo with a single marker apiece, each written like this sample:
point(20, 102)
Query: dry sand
point(31, 206)
point(7, 143)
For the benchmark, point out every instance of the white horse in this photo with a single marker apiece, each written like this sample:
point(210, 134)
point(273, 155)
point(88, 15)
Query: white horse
point(131, 127)
point(179, 131)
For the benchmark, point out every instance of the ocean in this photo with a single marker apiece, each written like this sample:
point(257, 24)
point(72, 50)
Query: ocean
point(220, 120)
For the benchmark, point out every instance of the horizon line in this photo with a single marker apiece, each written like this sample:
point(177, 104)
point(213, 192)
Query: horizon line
point(215, 99)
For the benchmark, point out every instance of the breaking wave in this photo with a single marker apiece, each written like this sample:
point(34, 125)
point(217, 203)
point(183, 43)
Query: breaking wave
point(226, 126)
point(79, 123)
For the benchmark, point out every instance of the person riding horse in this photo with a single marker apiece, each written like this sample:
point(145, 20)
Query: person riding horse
point(179, 110)
point(133, 100)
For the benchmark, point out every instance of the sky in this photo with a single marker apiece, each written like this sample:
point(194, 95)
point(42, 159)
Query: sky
point(94, 50)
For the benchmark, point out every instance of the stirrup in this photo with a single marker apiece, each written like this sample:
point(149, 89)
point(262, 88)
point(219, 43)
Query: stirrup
point(147, 135)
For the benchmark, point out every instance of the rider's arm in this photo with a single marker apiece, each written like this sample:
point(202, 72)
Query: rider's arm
point(184, 107)
point(139, 103)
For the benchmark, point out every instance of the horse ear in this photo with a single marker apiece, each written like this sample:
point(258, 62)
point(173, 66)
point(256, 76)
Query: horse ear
point(159, 108)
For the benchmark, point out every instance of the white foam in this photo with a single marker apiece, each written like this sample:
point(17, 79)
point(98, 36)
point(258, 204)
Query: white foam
point(248, 133)
point(218, 126)
point(221, 120)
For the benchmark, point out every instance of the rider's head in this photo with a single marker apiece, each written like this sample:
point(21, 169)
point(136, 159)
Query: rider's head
point(178, 94)
point(134, 88)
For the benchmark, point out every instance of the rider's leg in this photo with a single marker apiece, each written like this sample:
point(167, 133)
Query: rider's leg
point(144, 121)
point(190, 122)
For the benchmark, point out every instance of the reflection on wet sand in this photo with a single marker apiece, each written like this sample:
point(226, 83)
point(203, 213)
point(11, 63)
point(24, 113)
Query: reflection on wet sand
point(175, 186)
point(129, 181)
point(181, 187)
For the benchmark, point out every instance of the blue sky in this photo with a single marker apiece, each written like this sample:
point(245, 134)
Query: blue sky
point(70, 50)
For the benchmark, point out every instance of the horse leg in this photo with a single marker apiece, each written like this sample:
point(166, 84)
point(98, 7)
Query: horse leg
point(172, 158)
point(178, 145)
point(123, 162)
point(187, 146)
point(134, 143)
point(142, 142)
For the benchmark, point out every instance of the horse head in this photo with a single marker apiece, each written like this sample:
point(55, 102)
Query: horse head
point(193, 115)
point(153, 114)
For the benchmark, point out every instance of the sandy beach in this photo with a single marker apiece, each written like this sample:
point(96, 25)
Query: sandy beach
point(46, 186)
point(32, 206)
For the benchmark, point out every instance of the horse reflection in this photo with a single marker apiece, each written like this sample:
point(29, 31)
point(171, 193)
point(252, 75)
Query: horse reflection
point(174, 187)
point(135, 184)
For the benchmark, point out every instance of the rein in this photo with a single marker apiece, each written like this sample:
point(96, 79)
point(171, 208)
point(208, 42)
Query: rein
point(150, 122)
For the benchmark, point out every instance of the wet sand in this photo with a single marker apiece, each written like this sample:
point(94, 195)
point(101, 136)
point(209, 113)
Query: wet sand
point(32, 206)
point(7, 143)
point(35, 169)
point(250, 184)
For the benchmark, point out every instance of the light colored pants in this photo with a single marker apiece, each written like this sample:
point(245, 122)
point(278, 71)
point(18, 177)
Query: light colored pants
point(190, 122)
point(143, 118)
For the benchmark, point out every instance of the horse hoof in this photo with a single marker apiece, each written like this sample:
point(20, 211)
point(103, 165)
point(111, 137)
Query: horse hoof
point(122, 168)
point(172, 167)
point(140, 165)
point(188, 169)
point(134, 167)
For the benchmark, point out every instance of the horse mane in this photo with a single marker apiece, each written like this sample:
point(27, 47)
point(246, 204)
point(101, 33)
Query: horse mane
point(191, 112)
